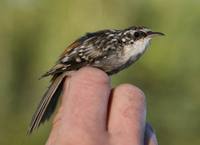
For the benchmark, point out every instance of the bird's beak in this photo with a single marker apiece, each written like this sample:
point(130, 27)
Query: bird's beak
point(152, 34)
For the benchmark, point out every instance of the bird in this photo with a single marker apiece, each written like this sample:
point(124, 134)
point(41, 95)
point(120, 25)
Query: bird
point(110, 50)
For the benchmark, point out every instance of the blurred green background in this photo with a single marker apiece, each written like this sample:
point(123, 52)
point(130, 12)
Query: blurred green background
point(33, 33)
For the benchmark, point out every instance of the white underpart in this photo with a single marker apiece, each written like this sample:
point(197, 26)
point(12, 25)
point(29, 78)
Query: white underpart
point(131, 51)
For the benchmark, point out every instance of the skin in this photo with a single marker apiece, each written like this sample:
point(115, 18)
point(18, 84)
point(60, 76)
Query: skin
point(92, 113)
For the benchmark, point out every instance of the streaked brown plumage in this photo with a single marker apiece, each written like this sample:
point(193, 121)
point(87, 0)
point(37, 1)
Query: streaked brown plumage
point(108, 50)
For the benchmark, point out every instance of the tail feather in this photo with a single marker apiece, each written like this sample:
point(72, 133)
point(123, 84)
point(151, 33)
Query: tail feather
point(48, 103)
point(52, 104)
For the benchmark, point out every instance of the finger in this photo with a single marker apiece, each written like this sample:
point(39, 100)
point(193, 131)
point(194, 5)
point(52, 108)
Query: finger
point(150, 137)
point(127, 115)
point(85, 99)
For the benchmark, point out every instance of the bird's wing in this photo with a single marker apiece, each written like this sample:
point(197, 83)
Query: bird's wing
point(84, 43)
point(86, 48)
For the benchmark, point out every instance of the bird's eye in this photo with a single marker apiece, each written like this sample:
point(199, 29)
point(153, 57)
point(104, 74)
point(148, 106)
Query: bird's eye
point(136, 34)
point(139, 34)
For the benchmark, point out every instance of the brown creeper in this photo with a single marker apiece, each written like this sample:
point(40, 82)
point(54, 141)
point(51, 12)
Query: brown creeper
point(108, 50)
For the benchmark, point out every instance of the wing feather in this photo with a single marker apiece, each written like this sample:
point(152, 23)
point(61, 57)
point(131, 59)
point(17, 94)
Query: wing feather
point(89, 45)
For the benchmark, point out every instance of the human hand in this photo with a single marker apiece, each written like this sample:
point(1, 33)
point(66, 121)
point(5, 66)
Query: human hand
point(91, 113)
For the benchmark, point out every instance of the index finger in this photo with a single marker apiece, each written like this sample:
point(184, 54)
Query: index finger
point(85, 99)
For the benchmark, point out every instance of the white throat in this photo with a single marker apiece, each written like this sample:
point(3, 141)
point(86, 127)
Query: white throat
point(133, 50)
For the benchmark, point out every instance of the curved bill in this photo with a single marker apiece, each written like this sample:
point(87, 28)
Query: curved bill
point(151, 34)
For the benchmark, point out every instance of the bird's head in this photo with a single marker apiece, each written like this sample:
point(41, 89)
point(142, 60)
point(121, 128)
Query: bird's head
point(138, 40)
point(142, 36)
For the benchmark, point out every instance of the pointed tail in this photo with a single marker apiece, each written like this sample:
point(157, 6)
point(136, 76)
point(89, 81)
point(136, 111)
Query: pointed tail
point(48, 103)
